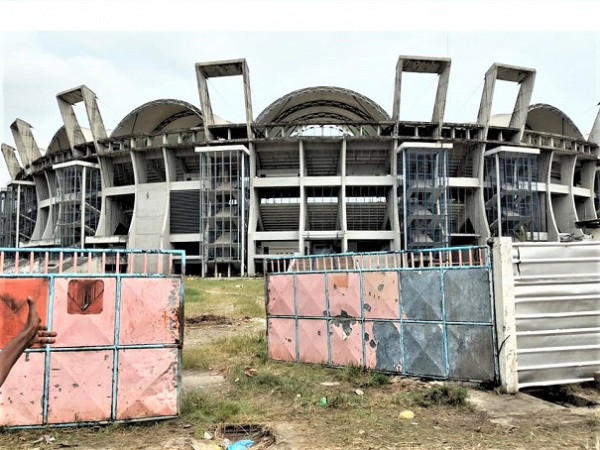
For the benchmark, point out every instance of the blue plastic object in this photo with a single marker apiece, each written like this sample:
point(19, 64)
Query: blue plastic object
point(240, 445)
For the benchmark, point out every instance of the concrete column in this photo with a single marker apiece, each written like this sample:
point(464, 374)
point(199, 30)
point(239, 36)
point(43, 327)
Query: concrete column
point(504, 301)
point(393, 199)
point(342, 199)
point(252, 214)
point(303, 206)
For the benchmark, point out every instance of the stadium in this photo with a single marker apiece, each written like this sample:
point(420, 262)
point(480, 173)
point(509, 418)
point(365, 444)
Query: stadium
point(320, 170)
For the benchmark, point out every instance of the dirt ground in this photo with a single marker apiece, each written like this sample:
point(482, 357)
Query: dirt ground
point(491, 421)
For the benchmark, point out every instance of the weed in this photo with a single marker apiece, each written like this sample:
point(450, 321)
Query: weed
point(229, 298)
point(252, 345)
point(359, 377)
point(446, 394)
point(195, 358)
point(203, 407)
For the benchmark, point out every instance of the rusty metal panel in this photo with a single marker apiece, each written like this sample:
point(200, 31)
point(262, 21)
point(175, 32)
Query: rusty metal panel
point(13, 304)
point(282, 339)
point(557, 312)
point(147, 381)
point(344, 294)
point(80, 327)
point(149, 311)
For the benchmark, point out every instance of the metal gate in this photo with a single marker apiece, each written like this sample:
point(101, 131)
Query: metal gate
point(117, 357)
point(557, 312)
point(422, 313)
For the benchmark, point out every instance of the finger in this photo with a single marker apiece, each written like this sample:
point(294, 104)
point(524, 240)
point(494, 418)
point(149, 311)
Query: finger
point(45, 340)
point(46, 334)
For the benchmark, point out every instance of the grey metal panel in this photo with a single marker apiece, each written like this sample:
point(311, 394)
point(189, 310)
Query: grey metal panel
point(426, 344)
point(557, 304)
point(472, 352)
point(389, 347)
point(421, 295)
point(467, 294)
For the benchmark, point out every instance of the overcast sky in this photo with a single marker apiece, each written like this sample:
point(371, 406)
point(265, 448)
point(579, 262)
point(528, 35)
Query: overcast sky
point(127, 69)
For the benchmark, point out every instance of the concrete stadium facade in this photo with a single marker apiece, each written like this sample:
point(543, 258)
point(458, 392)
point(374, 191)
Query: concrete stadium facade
point(320, 170)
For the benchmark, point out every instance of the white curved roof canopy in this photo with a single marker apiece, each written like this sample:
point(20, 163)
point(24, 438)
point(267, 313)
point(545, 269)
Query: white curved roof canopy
point(322, 104)
point(543, 118)
point(548, 119)
point(159, 115)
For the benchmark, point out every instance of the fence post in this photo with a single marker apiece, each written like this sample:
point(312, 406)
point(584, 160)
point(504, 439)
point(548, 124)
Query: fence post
point(504, 301)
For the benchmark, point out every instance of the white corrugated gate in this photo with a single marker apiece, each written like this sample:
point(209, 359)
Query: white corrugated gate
point(557, 312)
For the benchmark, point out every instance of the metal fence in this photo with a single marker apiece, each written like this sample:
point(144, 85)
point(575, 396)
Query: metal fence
point(557, 312)
point(423, 313)
point(117, 357)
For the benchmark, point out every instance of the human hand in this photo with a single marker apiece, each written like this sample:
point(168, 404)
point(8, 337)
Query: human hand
point(37, 333)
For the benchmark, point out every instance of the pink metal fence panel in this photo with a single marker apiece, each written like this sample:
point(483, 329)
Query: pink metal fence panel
point(148, 380)
point(312, 340)
point(282, 338)
point(22, 392)
point(117, 357)
point(346, 343)
point(77, 388)
point(149, 311)
point(310, 291)
point(80, 325)
point(344, 294)
point(281, 295)
point(380, 294)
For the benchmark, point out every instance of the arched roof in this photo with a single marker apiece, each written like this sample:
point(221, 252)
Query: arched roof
point(159, 115)
point(60, 140)
point(323, 104)
point(548, 119)
point(544, 118)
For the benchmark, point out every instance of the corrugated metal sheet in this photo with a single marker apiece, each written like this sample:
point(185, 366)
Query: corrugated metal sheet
point(557, 303)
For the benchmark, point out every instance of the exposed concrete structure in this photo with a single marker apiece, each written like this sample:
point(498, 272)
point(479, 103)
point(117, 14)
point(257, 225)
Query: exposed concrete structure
point(321, 169)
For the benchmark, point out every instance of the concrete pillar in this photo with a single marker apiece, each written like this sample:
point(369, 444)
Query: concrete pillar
point(504, 301)
point(342, 198)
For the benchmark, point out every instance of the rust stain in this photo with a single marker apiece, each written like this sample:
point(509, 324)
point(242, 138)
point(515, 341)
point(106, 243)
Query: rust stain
point(85, 296)
point(340, 281)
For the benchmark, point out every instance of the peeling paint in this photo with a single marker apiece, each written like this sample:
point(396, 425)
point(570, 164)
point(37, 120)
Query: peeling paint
point(389, 351)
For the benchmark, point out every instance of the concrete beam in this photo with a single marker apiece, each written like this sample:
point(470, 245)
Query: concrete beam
point(26, 145)
point(12, 163)
point(66, 100)
point(228, 68)
point(420, 64)
point(525, 77)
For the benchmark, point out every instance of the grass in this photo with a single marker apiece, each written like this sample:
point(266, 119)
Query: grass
point(239, 298)
point(447, 394)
